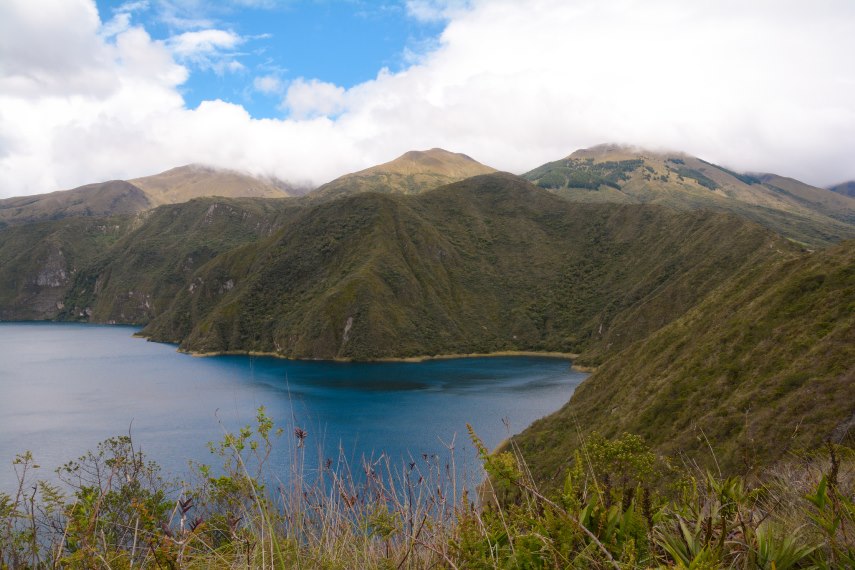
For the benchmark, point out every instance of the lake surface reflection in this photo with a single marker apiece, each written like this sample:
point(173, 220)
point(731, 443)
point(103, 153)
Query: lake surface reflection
point(66, 387)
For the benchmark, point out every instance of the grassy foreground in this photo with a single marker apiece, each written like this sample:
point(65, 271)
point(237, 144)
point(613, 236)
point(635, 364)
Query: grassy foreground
point(621, 506)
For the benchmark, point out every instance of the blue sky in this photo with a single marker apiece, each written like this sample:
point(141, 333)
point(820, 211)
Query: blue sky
point(345, 42)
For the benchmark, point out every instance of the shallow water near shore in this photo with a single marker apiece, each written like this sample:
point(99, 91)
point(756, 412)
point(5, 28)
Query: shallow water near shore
point(66, 387)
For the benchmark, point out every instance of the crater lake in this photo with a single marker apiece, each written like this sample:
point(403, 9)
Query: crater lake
point(67, 387)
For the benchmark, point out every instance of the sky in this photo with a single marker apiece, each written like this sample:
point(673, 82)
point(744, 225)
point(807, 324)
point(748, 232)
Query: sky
point(307, 90)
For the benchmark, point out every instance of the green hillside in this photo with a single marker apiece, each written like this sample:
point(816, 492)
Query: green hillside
point(616, 174)
point(39, 262)
point(488, 264)
point(143, 271)
point(762, 366)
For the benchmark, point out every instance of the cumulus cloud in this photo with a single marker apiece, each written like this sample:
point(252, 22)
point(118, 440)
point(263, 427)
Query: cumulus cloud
point(314, 98)
point(763, 86)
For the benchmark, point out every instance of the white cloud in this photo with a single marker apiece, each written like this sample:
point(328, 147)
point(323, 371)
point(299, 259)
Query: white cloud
point(314, 98)
point(121, 22)
point(208, 49)
point(268, 84)
point(766, 85)
point(190, 45)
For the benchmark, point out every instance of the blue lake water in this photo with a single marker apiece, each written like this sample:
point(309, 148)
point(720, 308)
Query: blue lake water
point(66, 387)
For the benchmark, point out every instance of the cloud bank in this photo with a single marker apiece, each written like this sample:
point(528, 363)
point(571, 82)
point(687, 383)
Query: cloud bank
point(763, 86)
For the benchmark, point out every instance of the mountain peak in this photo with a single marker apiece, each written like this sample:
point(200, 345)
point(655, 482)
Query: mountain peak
point(436, 161)
point(196, 180)
point(413, 172)
point(617, 152)
point(631, 174)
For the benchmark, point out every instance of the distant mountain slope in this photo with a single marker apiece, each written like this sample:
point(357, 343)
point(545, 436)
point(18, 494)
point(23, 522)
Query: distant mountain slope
point(411, 173)
point(39, 262)
point(611, 173)
point(93, 200)
point(118, 197)
point(761, 366)
point(845, 188)
point(196, 181)
point(490, 263)
point(143, 271)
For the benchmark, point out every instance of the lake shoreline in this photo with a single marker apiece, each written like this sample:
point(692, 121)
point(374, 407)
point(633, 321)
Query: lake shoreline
point(414, 359)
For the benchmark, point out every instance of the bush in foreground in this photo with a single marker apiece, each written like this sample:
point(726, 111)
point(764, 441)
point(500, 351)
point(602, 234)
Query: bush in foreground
point(620, 507)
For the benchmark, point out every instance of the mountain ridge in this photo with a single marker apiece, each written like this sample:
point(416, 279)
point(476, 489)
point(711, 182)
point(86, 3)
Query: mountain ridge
point(190, 181)
point(623, 174)
point(397, 249)
point(845, 188)
point(128, 197)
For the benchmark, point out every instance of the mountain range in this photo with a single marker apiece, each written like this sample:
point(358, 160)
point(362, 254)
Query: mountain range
point(705, 299)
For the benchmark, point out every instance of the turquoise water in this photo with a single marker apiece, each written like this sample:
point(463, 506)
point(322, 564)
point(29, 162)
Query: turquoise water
point(66, 387)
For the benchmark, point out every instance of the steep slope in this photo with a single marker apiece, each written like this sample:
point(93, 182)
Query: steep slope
point(618, 174)
point(93, 200)
point(40, 260)
point(143, 271)
point(845, 188)
point(411, 173)
point(490, 263)
point(763, 365)
point(196, 181)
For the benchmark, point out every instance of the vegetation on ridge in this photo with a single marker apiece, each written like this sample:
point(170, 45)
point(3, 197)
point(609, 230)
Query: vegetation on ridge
point(484, 265)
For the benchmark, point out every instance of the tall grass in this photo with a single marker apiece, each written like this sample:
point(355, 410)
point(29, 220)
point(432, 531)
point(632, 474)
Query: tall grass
point(620, 507)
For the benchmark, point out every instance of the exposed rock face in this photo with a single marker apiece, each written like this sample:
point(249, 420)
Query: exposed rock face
point(54, 272)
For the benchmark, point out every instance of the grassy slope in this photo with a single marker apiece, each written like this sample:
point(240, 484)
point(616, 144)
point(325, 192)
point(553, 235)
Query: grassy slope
point(491, 263)
point(763, 365)
point(196, 181)
point(809, 215)
point(97, 200)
